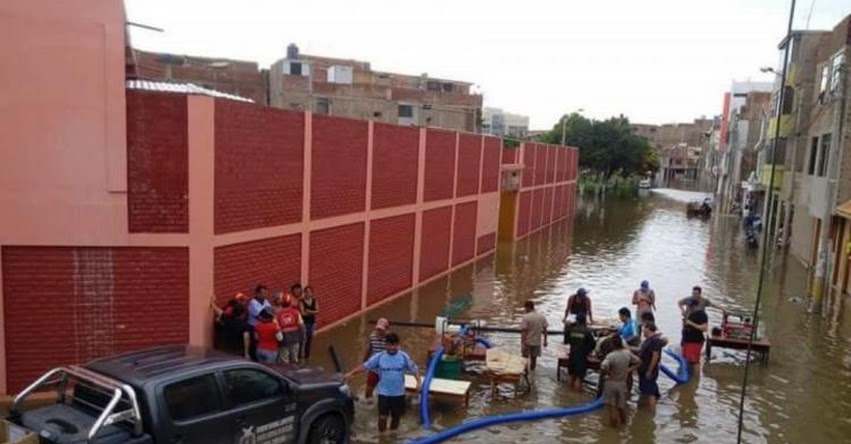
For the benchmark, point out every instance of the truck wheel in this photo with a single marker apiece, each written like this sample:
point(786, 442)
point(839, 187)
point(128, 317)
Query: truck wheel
point(329, 429)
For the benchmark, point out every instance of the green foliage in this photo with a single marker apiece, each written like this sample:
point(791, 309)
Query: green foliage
point(510, 143)
point(606, 147)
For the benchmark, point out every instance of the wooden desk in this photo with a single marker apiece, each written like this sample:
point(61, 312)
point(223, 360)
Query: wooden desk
point(448, 389)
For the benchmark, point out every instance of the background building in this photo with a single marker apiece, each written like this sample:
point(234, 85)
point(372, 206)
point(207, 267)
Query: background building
point(497, 122)
point(350, 88)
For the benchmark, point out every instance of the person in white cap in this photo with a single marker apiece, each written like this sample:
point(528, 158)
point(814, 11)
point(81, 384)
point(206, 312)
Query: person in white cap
point(375, 345)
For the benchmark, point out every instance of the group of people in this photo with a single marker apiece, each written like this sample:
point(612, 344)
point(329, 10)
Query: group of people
point(636, 346)
point(268, 330)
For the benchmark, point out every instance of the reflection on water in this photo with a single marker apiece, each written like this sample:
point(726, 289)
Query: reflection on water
point(802, 396)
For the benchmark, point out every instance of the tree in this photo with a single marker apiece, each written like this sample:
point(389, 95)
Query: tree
point(607, 146)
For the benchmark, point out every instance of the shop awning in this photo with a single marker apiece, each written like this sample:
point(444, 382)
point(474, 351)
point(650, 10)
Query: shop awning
point(844, 210)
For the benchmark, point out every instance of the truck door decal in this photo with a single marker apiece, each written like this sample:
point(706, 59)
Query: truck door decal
point(275, 432)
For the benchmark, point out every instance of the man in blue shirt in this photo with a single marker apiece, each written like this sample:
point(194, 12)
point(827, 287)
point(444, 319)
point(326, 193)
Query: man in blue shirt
point(258, 304)
point(391, 366)
point(629, 330)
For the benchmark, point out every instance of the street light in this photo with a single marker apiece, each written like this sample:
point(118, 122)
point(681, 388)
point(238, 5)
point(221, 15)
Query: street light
point(768, 69)
point(564, 127)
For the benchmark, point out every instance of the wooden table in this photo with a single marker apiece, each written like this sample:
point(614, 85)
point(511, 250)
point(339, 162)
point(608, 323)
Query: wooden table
point(448, 389)
point(564, 362)
point(762, 347)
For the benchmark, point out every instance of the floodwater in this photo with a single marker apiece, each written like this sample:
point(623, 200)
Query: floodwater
point(803, 395)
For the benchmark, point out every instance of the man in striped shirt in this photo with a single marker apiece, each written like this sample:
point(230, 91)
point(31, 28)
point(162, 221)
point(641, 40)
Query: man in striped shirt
point(374, 346)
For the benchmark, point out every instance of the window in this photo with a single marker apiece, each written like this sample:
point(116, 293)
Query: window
point(825, 78)
point(406, 111)
point(836, 71)
point(788, 101)
point(295, 68)
point(432, 85)
point(192, 398)
point(811, 166)
point(448, 87)
point(245, 386)
point(824, 155)
point(323, 106)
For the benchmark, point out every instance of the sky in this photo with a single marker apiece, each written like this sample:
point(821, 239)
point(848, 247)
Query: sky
point(654, 61)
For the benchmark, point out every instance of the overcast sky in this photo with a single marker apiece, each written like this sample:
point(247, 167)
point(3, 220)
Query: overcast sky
point(656, 61)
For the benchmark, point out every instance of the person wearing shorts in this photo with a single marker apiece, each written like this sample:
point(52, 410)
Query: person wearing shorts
point(695, 325)
point(615, 368)
point(533, 327)
point(391, 366)
point(650, 354)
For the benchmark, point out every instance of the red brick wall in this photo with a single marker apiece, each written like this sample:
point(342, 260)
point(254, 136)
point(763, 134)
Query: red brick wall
point(551, 164)
point(509, 155)
point(72, 304)
point(486, 243)
point(439, 165)
point(524, 213)
point(259, 164)
point(391, 256)
point(540, 164)
point(529, 163)
point(394, 165)
point(434, 251)
point(157, 163)
point(274, 262)
point(490, 164)
point(537, 208)
point(469, 153)
point(464, 234)
point(559, 202)
point(339, 167)
point(548, 205)
point(336, 270)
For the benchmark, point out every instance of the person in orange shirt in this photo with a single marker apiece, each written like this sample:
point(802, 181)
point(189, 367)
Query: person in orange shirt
point(268, 333)
point(292, 328)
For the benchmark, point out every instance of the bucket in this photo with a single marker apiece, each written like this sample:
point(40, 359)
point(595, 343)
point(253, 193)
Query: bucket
point(449, 368)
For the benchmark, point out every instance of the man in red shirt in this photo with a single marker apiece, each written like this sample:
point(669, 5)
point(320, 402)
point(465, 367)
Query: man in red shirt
point(292, 327)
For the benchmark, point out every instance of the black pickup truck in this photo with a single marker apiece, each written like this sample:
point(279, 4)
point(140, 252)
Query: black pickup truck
point(188, 395)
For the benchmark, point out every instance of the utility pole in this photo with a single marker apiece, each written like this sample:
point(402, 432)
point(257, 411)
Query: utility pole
point(824, 265)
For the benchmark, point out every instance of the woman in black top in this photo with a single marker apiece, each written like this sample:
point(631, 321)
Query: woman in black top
point(309, 307)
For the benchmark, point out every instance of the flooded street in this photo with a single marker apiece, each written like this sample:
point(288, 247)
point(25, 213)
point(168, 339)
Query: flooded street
point(802, 396)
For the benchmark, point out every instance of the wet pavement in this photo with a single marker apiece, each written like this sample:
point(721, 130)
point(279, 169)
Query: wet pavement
point(803, 395)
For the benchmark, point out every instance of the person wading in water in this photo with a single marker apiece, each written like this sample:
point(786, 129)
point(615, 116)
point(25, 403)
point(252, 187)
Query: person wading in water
point(578, 303)
point(644, 300)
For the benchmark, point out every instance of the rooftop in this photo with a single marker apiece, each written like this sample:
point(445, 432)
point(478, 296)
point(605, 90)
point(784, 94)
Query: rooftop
point(181, 88)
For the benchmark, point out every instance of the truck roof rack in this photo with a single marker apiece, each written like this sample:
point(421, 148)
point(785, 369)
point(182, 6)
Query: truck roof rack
point(110, 414)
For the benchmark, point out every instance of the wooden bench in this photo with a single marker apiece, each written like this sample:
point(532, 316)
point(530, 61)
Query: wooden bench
point(448, 389)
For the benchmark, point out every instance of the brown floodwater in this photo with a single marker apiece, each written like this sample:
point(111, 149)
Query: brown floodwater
point(802, 396)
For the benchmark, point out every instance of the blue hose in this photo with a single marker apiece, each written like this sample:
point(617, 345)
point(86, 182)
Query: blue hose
point(484, 342)
point(680, 377)
point(425, 416)
point(488, 421)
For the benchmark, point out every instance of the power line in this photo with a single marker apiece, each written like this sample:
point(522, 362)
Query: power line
point(772, 215)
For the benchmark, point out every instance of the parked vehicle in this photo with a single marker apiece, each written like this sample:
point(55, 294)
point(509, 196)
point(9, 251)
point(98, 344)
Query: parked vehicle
point(700, 209)
point(189, 395)
point(644, 184)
